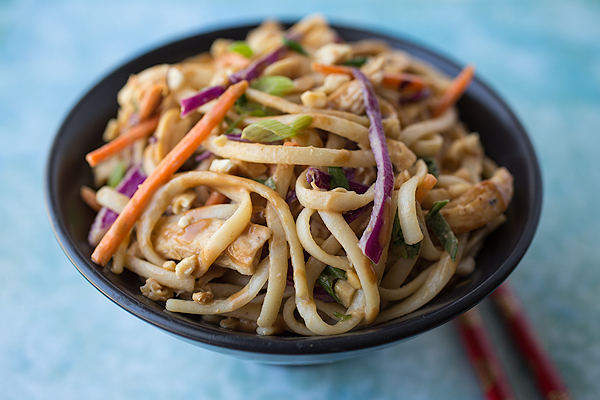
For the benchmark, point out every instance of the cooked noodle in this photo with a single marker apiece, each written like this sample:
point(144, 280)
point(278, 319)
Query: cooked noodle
point(266, 235)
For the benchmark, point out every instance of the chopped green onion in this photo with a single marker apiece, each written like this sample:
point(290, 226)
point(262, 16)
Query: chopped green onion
point(294, 46)
point(432, 167)
point(271, 130)
point(243, 107)
point(441, 229)
point(301, 123)
point(117, 174)
point(269, 182)
point(435, 209)
point(276, 85)
point(338, 178)
point(241, 48)
point(233, 124)
point(342, 317)
point(399, 245)
point(356, 62)
point(268, 130)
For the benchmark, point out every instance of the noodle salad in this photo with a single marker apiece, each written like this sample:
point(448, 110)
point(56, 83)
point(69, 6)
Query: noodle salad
point(293, 182)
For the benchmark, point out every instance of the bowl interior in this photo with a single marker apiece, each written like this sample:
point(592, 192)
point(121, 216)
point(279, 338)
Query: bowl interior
point(502, 135)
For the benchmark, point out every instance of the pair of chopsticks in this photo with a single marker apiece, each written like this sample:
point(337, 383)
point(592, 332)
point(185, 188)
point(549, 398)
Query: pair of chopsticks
point(486, 362)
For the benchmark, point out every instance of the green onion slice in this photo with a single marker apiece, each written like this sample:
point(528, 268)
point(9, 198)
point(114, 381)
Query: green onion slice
point(241, 48)
point(276, 85)
point(271, 130)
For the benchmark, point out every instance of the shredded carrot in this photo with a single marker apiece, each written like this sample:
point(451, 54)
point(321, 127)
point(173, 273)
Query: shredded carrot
point(150, 101)
point(121, 142)
point(404, 80)
point(291, 144)
point(331, 69)
point(456, 89)
point(163, 172)
point(215, 198)
point(424, 188)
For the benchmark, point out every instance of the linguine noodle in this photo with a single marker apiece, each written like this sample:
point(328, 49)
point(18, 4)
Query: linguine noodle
point(269, 226)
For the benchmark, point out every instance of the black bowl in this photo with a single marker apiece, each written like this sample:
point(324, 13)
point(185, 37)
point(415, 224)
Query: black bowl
point(504, 139)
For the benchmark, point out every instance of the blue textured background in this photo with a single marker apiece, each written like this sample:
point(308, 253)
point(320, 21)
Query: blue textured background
point(60, 338)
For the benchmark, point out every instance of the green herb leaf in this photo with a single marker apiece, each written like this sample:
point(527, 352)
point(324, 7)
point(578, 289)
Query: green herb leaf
point(328, 278)
point(327, 283)
point(116, 175)
point(338, 178)
point(432, 167)
point(399, 245)
point(294, 46)
point(441, 229)
point(269, 182)
point(435, 209)
point(276, 85)
point(356, 62)
point(335, 272)
point(240, 47)
point(342, 317)
point(271, 130)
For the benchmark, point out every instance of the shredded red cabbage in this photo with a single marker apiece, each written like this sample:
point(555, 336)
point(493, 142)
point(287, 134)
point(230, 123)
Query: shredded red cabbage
point(203, 156)
point(416, 96)
point(291, 197)
point(249, 73)
point(105, 217)
point(376, 234)
point(323, 181)
point(207, 94)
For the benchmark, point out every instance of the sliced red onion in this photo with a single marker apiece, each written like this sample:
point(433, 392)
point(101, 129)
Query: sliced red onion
point(105, 217)
point(376, 234)
point(207, 94)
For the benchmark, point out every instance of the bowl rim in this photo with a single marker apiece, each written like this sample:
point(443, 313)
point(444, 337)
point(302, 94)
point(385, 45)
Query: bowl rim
point(220, 339)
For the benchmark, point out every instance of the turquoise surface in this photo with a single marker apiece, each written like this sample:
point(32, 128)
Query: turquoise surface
point(60, 338)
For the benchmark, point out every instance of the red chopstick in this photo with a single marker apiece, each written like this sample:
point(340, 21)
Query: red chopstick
point(548, 379)
point(483, 357)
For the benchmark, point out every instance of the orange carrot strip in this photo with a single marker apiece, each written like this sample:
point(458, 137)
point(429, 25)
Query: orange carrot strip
point(125, 139)
point(291, 144)
point(404, 80)
point(331, 69)
point(163, 172)
point(150, 101)
point(424, 188)
point(456, 89)
point(215, 198)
